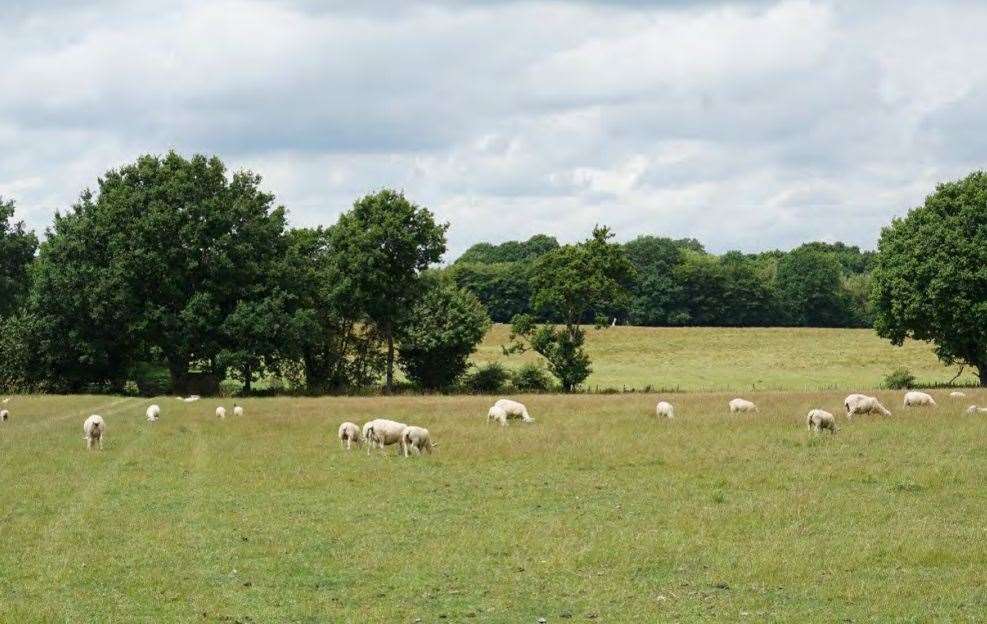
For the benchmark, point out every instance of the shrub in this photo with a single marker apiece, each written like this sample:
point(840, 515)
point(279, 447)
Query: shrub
point(531, 378)
point(899, 379)
point(488, 379)
point(151, 379)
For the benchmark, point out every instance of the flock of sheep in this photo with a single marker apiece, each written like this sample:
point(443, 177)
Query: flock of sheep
point(381, 432)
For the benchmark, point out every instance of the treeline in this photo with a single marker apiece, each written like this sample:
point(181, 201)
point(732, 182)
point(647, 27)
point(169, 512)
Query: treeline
point(677, 283)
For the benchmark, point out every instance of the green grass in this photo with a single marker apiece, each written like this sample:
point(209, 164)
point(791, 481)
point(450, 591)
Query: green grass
point(596, 513)
point(721, 359)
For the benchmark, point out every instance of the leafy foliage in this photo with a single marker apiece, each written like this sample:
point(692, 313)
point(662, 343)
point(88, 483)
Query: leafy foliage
point(531, 378)
point(17, 247)
point(488, 379)
point(899, 379)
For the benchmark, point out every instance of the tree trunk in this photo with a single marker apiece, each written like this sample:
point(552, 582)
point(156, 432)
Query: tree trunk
point(982, 373)
point(390, 358)
point(247, 379)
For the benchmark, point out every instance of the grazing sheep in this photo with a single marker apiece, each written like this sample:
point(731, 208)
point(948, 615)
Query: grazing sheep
point(513, 409)
point(416, 438)
point(664, 408)
point(742, 405)
point(237, 410)
point(4, 415)
point(221, 412)
point(856, 404)
point(956, 394)
point(915, 399)
point(191, 398)
point(349, 434)
point(94, 429)
point(381, 432)
point(973, 409)
point(497, 414)
point(153, 412)
point(820, 419)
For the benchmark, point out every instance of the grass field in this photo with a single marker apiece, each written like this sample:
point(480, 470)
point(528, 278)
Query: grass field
point(596, 513)
point(722, 359)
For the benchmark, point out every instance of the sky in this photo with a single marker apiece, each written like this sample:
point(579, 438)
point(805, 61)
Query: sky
point(747, 125)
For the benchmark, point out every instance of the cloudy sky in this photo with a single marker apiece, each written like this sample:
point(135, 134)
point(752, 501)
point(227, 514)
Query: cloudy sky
point(748, 125)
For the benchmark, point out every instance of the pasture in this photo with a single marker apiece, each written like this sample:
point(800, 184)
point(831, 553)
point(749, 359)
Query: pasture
point(712, 359)
point(598, 512)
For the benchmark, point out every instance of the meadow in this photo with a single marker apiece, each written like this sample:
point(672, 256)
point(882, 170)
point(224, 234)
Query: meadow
point(598, 512)
point(714, 359)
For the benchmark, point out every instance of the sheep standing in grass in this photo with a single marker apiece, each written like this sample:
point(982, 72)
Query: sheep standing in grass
point(856, 404)
point(220, 412)
point(742, 405)
point(956, 394)
point(237, 411)
point(916, 399)
point(497, 414)
point(95, 430)
point(381, 432)
point(349, 434)
point(973, 409)
point(153, 412)
point(821, 419)
point(4, 415)
point(665, 409)
point(513, 409)
point(416, 438)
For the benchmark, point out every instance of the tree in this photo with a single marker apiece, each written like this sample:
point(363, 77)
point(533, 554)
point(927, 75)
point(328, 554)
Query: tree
point(17, 247)
point(503, 288)
point(381, 247)
point(930, 282)
point(568, 282)
point(509, 251)
point(441, 331)
point(810, 287)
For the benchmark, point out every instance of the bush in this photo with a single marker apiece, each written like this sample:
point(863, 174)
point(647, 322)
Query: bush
point(151, 379)
point(487, 379)
point(899, 379)
point(531, 378)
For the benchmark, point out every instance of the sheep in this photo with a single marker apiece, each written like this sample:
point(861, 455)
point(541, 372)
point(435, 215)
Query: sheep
point(381, 432)
point(513, 409)
point(221, 412)
point(956, 394)
point(191, 398)
point(416, 438)
point(153, 412)
point(4, 415)
point(664, 408)
point(862, 404)
point(95, 430)
point(915, 399)
point(973, 409)
point(237, 410)
point(349, 433)
point(742, 405)
point(497, 414)
point(818, 420)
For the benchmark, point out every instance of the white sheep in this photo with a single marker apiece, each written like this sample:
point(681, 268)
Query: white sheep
point(973, 409)
point(742, 405)
point(349, 434)
point(237, 410)
point(153, 412)
point(513, 409)
point(856, 404)
point(916, 399)
point(956, 394)
point(4, 415)
point(497, 414)
point(381, 432)
point(192, 398)
point(221, 412)
point(664, 408)
point(95, 430)
point(818, 420)
point(416, 438)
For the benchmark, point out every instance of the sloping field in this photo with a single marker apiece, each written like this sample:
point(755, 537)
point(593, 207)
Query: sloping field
point(715, 359)
point(598, 512)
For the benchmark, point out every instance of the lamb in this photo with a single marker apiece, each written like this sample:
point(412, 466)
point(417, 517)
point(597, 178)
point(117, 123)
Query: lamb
point(94, 429)
point(915, 399)
point(818, 420)
point(664, 408)
point(956, 394)
point(381, 432)
point(416, 438)
point(4, 415)
point(513, 409)
point(237, 410)
point(221, 412)
point(742, 405)
point(856, 404)
point(349, 434)
point(153, 412)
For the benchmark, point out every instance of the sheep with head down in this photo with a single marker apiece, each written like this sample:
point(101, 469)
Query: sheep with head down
point(511, 410)
point(4, 415)
point(742, 405)
point(349, 434)
point(818, 420)
point(153, 413)
point(856, 404)
point(417, 439)
point(665, 409)
point(381, 432)
point(914, 398)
